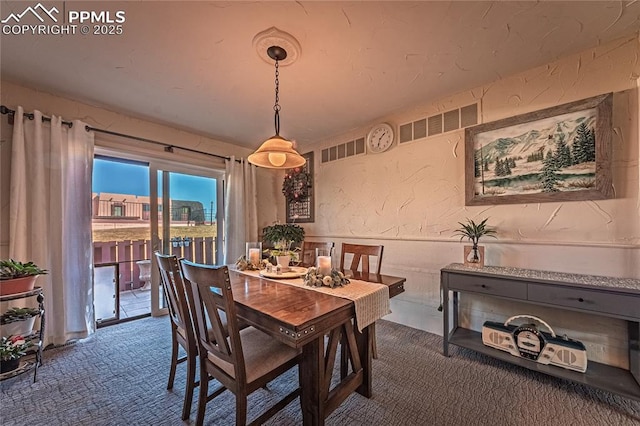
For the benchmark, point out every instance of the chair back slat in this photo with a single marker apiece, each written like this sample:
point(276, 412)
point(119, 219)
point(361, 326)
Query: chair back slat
point(174, 291)
point(361, 256)
point(308, 251)
point(212, 297)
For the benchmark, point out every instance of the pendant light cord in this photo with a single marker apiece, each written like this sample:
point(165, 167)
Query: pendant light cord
point(276, 106)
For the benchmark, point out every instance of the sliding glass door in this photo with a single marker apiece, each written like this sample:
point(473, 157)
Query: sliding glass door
point(189, 217)
point(140, 207)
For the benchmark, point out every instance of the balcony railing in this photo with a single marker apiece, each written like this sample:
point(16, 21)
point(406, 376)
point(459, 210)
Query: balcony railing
point(127, 253)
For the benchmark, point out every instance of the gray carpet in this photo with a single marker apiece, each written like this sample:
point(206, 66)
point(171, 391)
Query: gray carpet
point(118, 377)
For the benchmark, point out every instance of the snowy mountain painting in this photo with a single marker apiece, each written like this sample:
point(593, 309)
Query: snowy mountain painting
point(555, 154)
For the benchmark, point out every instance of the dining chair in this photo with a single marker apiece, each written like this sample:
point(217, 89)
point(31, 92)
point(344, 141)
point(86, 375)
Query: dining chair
point(241, 360)
point(182, 329)
point(308, 251)
point(361, 261)
point(361, 256)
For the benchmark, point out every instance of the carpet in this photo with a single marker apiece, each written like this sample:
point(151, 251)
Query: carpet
point(119, 376)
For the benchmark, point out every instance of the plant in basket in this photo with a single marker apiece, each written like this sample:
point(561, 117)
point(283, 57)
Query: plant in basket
point(12, 348)
point(18, 321)
point(18, 277)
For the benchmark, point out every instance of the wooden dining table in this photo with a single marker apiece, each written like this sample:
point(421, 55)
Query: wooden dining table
point(301, 318)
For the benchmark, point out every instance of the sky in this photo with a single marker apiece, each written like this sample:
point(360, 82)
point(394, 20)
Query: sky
point(125, 178)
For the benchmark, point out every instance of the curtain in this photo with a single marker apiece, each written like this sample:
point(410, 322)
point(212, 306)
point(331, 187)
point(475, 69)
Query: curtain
point(50, 219)
point(241, 208)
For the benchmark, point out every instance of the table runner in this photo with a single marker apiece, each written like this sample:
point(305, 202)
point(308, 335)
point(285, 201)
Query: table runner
point(371, 300)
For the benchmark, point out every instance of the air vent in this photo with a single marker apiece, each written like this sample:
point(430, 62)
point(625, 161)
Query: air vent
point(420, 129)
point(435, 124)
point(344, 150)
point(440, 123)
point(406, 132)
point(469, 115)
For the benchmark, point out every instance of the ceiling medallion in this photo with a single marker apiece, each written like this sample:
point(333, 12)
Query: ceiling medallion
point(274, 37)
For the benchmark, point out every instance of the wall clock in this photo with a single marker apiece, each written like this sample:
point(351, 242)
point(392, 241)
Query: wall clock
point(380, 138)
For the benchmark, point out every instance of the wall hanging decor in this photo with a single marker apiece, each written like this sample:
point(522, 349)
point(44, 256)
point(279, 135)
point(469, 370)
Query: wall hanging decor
point(297, 188)
point(562, 153)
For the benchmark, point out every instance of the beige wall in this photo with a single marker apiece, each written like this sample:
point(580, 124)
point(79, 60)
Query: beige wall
point(411, 197)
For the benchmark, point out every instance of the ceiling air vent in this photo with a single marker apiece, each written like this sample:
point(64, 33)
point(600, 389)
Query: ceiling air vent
point(344, 150)
point(440, 123)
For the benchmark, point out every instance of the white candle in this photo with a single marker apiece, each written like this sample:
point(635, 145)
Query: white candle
point(324, 265)
point(254, 256)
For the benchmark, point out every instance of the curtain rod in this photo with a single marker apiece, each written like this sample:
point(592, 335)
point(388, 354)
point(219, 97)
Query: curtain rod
point(167, 147)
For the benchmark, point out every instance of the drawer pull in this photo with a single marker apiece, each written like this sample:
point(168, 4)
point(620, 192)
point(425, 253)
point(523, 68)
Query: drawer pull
point(580, 299)
point(483, 286)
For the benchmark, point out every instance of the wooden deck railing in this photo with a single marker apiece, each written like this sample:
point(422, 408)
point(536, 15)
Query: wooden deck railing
point(127, 253)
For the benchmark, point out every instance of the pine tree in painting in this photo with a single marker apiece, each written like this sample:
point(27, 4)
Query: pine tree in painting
point(583, 145)
point(505, 167)
point(548, 175)
point(498, 169)
point(563, 156)
point(591, 146)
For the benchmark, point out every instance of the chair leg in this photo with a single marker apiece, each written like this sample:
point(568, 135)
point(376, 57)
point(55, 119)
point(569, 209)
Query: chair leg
point(241, 410)
point(174, 358)
point(374, 344)
point(203, 394)
point(191, 378)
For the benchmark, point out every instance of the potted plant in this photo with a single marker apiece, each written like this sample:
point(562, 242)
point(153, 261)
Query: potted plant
point(18, 277)
point(474, 255)
point(283, 236)
point(18, 321)
point(12, 348)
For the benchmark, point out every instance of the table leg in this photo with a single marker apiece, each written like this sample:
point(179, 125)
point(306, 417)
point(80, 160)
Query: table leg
point(311, 372)
point(364, 342)
point(445, 320)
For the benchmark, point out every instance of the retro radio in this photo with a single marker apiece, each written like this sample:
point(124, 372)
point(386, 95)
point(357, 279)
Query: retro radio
point(526, 341)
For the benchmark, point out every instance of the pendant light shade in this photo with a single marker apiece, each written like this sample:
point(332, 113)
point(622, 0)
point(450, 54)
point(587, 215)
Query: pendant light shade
point(277, 152)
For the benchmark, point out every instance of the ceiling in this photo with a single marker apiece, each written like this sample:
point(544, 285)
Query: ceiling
point(192, 65)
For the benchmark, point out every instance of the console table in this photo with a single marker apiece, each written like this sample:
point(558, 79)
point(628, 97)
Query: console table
point(596, 295)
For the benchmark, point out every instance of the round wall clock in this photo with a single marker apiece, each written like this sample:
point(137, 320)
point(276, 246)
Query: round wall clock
point(380, 138)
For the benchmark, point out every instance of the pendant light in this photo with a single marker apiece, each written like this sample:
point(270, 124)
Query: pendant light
point(277, 152)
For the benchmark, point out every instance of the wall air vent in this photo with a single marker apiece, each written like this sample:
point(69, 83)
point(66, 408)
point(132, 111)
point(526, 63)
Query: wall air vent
point(448, 121)
point(344, 150)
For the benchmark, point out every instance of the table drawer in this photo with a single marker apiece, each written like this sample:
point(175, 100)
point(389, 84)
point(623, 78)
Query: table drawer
point(488, 285)
point(626, 305)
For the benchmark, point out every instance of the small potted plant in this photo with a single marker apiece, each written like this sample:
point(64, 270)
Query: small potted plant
point(12, 348)
point(283, 236)
point(474, 255)
point(18, 321)
point(18, 277)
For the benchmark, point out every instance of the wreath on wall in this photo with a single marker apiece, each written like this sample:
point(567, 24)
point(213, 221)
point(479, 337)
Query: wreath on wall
point(296, 184)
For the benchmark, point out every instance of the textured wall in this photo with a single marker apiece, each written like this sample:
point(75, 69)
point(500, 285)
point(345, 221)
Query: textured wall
point(411, 197)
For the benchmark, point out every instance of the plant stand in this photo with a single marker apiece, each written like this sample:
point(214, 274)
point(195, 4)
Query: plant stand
point(27, 362)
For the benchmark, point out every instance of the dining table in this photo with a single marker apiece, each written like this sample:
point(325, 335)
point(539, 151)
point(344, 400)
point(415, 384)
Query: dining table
point(315, 322)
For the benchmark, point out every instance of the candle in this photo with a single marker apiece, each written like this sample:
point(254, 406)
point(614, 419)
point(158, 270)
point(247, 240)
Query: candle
point(324, 265)
point(254, 256)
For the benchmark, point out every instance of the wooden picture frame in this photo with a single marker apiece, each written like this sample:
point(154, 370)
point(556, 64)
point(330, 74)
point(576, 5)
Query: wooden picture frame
point(515, 160)
point(303, 210)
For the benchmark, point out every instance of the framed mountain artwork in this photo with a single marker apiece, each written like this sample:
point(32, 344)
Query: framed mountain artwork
point(562, 153)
